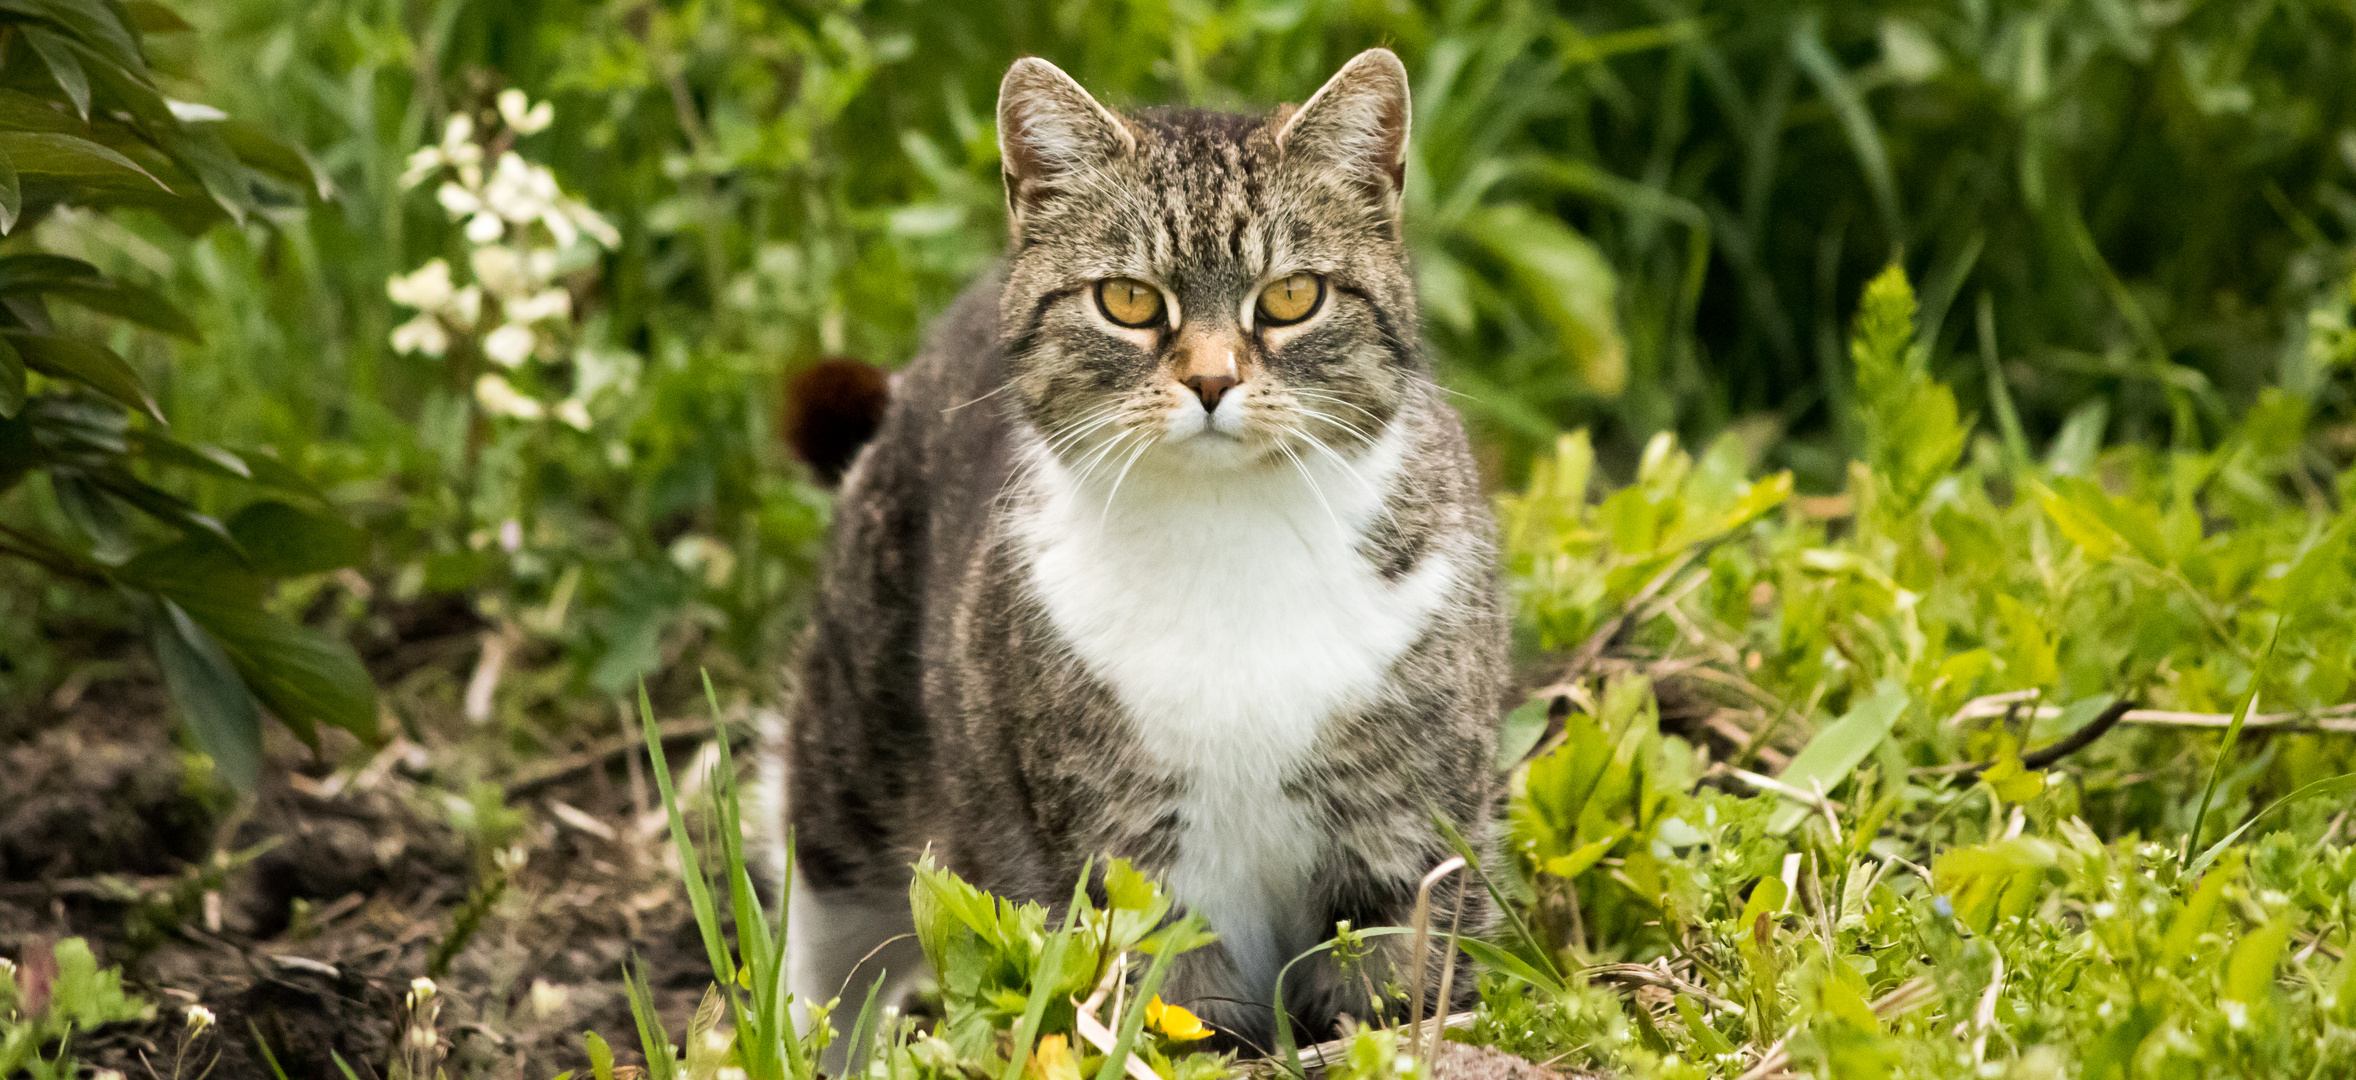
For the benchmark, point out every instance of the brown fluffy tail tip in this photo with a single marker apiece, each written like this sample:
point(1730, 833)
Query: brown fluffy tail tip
point(831, 409)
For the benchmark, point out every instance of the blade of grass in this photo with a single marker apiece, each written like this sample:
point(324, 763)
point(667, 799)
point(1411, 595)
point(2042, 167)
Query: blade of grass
point(653, 1042)
point(1133, 1021)
point(1045, 976)
point(855, 1057)
point(263, 1045)
point(699, 891)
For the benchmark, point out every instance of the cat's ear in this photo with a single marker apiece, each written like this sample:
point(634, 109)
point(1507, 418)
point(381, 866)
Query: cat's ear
point(1357, 122)
point(1048, 129)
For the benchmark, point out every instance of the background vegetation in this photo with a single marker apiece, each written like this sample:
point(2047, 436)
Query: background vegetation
point(2091, 443)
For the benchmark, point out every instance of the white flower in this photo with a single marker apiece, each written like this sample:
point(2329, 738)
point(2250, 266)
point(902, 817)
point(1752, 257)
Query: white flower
point(458, 141)
point(458, 200)
point(484, 228)
point(574, 414)
point(421, 987)
point(500, 270)
point(421, 165)
point(199, 1018)
point(511, 344)
point(499, 398)
point(466, 305)
point(550, 304)
point(427, 288)
point(522, 115)
point(521, 192)
point(423, 334)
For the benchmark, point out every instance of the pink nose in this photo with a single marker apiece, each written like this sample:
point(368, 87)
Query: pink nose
point(1210, 388)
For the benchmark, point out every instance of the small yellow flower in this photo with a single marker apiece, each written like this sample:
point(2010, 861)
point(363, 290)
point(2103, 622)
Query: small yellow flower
point(1054, 1060)
point(1174, 1021)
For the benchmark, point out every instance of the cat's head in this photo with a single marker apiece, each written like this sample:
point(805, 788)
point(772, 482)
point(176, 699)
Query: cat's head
point(1206, 290)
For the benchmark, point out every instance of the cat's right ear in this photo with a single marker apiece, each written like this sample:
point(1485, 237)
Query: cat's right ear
point(1048, 130)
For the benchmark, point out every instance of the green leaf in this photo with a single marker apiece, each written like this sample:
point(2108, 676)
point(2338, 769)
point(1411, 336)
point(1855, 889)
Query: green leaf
point(20, 111)
point(196, 568)
point(137, 303)
point(40, 270)
point(304, 676)
point(95, 366)
point(149, 17)
point(281, 539)
point(261, 151)
point(71, 159)
point(220, 713)
point(92, 25)
point(163, 449)
point(12, 381)
point(601, 1056)
point(2249, 975)
point(1580, 860)
point(59, 57)
point(12, 194)
point(1835, 751)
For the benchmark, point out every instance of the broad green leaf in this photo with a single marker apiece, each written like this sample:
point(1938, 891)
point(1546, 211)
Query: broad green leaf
point(92, 25)
point(94, 512)
point(304, 676)
point(1578, 861)
point(2249, 975)
point(71, 159)
point(40, 270)
point(281, 539)
point(212, 699)
point(95, 366)
point(20, 111)
point(59, 57)
point(136, 303)
point(261, 151)
point(195, 569)
point(1835, 751)
point(166, 450)
point(1991, 881)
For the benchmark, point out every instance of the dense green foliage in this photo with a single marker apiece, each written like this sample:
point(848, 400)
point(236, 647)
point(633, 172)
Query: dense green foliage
point(83, 126)
point(2102, 455)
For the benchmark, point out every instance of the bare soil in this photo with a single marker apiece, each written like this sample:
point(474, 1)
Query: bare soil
point(300, 916)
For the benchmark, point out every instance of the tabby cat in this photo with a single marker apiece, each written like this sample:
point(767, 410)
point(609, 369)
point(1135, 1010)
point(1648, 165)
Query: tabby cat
point(1167, 548)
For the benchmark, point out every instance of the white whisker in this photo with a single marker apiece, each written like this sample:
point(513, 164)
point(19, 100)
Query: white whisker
point(984, 397)
point(1142, 447)
point(1303, 468)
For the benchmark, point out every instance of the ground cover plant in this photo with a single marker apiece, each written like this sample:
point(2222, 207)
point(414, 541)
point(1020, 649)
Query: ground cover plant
point(1935, 622)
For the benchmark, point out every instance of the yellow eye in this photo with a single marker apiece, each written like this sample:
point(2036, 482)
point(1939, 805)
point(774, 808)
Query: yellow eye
point(1129, 302)
point(1291, 299)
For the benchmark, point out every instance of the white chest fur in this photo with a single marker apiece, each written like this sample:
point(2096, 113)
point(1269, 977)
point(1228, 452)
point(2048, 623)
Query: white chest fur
point(1233, 616)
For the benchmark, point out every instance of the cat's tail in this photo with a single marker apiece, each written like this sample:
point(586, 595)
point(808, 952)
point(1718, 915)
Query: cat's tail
point(831, 409)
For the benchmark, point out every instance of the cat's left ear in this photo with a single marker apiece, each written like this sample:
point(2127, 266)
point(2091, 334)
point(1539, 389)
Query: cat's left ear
point(1357, 122)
